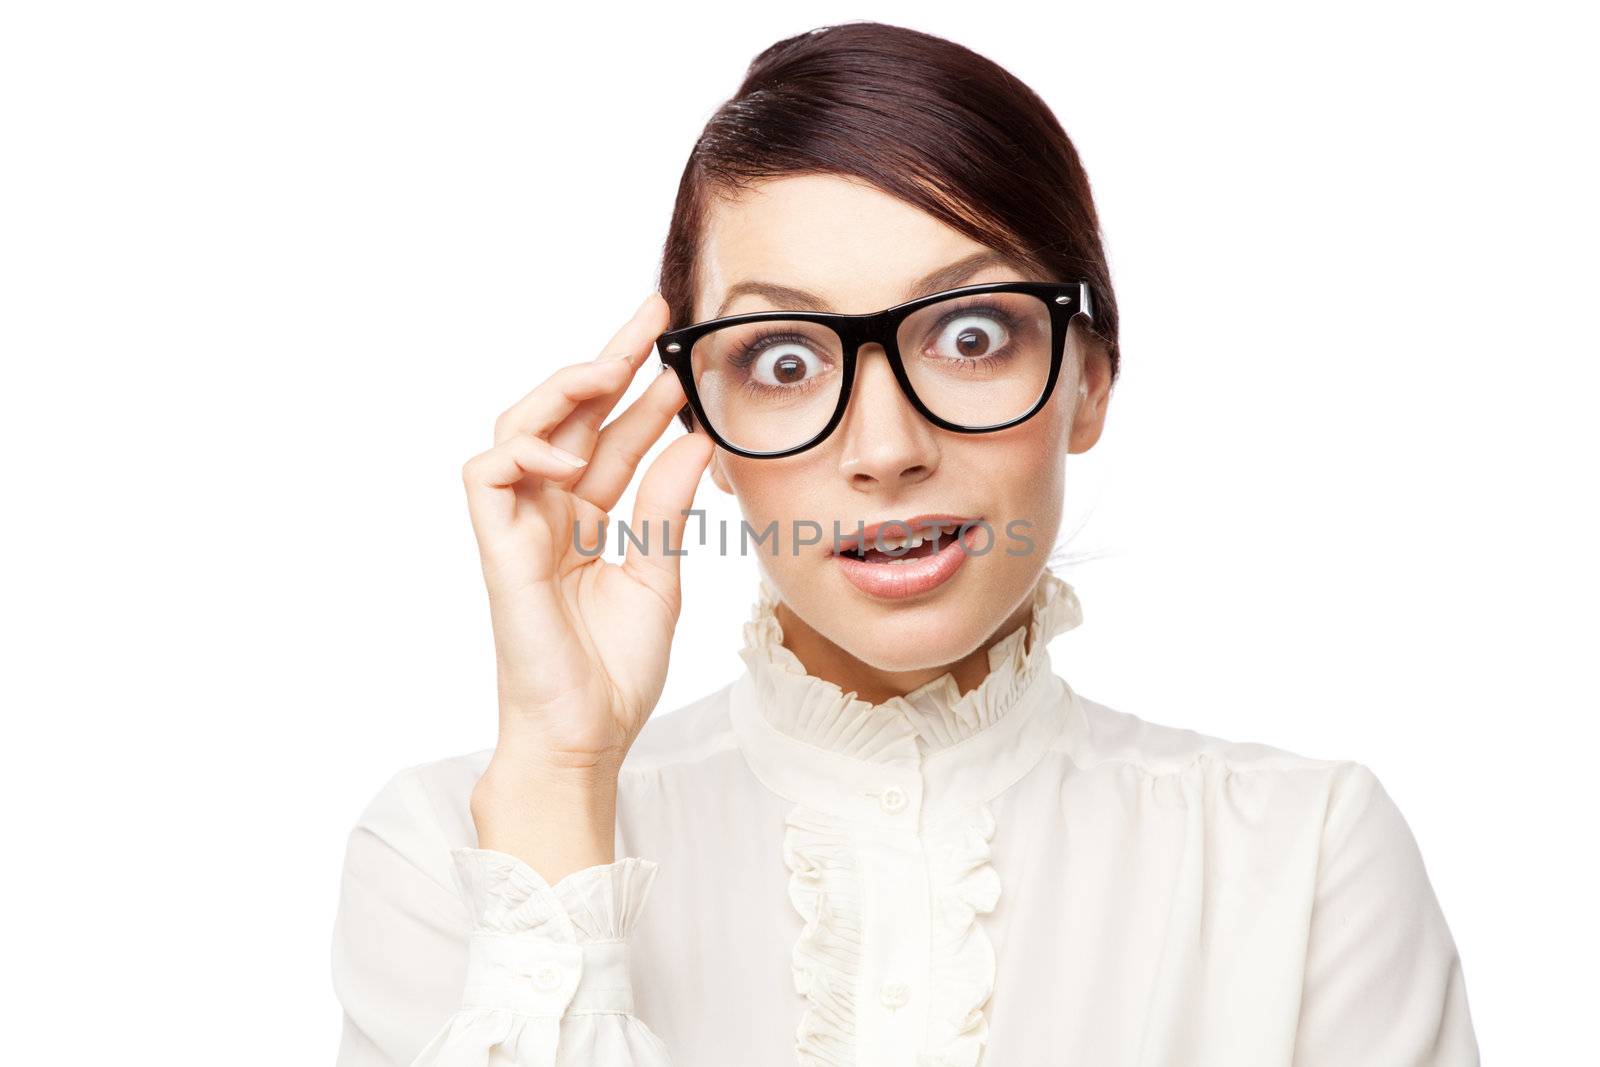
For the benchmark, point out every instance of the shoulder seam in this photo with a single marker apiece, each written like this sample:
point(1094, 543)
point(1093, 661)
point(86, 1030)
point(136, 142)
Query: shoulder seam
point(1073, 743)
point(1289, 763)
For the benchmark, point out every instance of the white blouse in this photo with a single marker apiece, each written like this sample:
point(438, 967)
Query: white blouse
point(1014, 876)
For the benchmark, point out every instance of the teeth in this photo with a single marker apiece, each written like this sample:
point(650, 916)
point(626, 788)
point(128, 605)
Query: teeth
point(897, 542)
point(890, 544)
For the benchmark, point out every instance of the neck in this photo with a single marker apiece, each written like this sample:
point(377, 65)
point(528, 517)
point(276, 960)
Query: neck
point(833, 664)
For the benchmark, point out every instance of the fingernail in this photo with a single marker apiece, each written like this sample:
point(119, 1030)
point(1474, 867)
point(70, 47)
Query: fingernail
point(644, 305)
point(567, 457)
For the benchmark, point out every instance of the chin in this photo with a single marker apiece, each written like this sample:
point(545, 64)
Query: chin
point(931, 630)
point(886, 654)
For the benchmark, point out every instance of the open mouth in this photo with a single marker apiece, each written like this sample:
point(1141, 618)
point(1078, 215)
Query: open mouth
point(897, 547)
point(900, 558)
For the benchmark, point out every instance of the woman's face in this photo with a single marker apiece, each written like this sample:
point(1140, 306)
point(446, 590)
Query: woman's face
point(858, 249)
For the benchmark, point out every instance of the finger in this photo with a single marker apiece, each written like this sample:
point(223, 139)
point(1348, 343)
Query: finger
point(633, 342)
point(553, 399)
point(489, 474)
point(535, 412)
point(666, 493)
point(622, 444)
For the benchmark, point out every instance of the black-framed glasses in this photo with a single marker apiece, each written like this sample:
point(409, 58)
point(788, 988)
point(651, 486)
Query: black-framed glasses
point(972, 360)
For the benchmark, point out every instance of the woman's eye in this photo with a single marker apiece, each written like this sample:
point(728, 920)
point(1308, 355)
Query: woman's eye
point(971, 337)
point(787, 365)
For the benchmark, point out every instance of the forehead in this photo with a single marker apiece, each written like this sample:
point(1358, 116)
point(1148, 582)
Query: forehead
point(853, 245)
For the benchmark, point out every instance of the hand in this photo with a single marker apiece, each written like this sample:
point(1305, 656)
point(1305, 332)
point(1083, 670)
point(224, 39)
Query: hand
point(581, 644)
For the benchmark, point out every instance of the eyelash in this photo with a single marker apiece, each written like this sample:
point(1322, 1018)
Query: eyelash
point(748, 354)
point(751, 349)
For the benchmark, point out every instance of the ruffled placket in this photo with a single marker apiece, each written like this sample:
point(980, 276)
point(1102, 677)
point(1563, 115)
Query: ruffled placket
point(888, 839)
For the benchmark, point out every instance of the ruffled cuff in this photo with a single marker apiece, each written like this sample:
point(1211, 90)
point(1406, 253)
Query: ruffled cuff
point(540, 954)
point(505, 895)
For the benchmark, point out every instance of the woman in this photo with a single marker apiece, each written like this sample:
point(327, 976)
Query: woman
point(899, 837)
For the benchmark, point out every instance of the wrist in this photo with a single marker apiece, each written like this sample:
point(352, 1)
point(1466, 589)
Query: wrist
point(524, 765)
point(556, 819)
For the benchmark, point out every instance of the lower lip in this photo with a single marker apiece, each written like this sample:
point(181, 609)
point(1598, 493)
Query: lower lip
point(913, 577)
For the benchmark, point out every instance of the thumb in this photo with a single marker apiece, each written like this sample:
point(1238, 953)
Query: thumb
point(665, 494)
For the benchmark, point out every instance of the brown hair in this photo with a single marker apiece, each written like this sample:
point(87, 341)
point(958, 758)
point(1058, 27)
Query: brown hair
point(921, 118)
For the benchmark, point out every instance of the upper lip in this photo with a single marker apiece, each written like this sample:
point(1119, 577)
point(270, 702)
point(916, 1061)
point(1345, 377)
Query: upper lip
point(919, 524)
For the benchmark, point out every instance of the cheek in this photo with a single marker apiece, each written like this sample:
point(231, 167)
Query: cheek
point(1024, 464)
point(779, 489)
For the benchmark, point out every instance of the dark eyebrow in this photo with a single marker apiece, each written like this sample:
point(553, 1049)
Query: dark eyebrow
point(788, 298)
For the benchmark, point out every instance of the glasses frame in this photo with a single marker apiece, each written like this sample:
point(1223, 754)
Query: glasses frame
point(1065, 301)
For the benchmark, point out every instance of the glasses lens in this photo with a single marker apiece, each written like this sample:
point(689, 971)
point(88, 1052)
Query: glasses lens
point(768, 386)
point(978, 360)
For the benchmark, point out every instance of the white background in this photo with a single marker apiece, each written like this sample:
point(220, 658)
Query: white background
point(271, 270)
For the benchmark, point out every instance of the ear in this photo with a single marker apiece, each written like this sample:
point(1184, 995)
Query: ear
point(1094, 396)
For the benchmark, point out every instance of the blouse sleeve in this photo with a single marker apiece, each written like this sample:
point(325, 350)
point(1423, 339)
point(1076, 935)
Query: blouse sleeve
point(1383, 983)
point(451, 958)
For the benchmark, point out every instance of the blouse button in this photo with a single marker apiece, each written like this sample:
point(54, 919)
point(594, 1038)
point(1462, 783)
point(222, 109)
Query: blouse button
point(547, 978)
point(894, 994)
point(892, 799)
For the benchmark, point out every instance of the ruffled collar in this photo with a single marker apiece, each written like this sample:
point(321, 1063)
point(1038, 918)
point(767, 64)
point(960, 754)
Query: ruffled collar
point(809, 739)
point(903, 728)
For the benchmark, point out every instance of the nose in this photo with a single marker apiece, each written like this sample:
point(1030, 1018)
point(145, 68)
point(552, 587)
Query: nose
point(887, 444)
